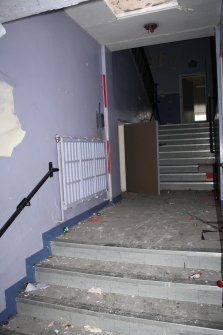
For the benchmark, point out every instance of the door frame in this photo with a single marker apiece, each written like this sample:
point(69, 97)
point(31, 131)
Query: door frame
point(181, 76)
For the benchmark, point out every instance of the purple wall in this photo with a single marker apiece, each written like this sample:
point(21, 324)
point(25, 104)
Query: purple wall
point(169, 61)
point(55, 69)
point(126, 97)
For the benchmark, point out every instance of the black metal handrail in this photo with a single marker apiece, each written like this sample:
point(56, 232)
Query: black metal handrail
point(26, 201)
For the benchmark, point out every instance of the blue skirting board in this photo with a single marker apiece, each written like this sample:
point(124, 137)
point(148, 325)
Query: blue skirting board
point(11, 292)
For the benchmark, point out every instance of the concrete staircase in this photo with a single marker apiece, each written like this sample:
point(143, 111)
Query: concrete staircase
point(121, 291)
point(186, 162)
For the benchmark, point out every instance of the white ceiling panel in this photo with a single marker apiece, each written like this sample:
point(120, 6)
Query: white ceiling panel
point(96, 13)
point(192, 19)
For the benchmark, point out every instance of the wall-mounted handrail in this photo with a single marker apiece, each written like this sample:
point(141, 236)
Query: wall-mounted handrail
point(26, 201)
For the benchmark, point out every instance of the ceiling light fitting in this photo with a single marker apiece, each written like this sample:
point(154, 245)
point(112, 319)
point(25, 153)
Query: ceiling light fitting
point(151, 27)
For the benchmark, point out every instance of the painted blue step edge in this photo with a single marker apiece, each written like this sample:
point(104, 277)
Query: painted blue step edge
point(12, 291)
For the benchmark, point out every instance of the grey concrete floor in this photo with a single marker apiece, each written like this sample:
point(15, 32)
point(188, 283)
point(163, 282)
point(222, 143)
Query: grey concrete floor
point(181, 220)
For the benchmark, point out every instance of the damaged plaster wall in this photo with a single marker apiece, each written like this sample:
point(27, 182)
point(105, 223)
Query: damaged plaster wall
point(55, 70)
point(171, 60)
point(11, 133)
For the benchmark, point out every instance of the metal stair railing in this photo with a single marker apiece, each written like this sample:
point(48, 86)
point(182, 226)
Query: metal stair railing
point(26, 201)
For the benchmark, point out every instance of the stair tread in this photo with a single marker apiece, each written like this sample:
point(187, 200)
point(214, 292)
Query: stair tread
point(130, 271)
point(187, 161)
point(191, 124)
point(199, 315)
point(25, 325)
point(188, 182)
point(183, 173)
point(184, 130)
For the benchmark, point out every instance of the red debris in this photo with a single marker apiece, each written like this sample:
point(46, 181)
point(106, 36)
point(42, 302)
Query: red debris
point(95, 218)
point(219, 283)
point(209, 175)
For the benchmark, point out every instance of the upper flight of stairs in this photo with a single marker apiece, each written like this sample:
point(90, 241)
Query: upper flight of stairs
point(186, 162)
point(112, 290)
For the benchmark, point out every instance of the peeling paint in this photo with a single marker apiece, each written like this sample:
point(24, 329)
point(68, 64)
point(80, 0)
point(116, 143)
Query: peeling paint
point(2, 30)
point(11, 133)
point(125, 6)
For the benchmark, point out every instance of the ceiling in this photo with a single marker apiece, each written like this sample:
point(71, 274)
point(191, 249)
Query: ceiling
point(13, 9)
point(190, 19)
point(119, 24)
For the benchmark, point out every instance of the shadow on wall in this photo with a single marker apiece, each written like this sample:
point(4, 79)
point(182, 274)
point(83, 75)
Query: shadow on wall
point(169, 106)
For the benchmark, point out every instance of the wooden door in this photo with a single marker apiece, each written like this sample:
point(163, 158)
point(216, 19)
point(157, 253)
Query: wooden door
point(141, 154)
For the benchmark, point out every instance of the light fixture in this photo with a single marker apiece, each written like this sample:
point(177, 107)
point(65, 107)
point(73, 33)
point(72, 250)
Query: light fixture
point(151, 27)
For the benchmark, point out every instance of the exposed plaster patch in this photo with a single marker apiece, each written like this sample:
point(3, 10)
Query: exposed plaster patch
point(2, 30)
point(11, 133)
point(122, 6)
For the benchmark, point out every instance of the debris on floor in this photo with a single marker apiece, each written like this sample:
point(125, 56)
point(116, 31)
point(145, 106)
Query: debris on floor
point(95, 290)
point(210, 235)
point(34, 287)
point(92, 329)
point(65, 230)
point(196, 275)
point(96, 217)
point(50, 324)
point(220, 283)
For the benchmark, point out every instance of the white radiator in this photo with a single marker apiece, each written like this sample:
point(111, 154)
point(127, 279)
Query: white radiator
point(83, 169)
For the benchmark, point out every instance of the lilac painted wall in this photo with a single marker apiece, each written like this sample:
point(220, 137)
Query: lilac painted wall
point(168, 62)
point(126, 97)
point(55, 69)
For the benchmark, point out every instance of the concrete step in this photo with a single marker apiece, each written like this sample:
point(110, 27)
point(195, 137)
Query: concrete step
point(200, 161)
point(25, 325)
point(187, 186)
point(164, 131)
point(183, 136)
point(185, 169)
point(125, 314)
point(181, 177)
point(184, 147)
point(186, 154)
point(184, 141)
point(172, 258)
point(184, 125)
point(130, 279)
